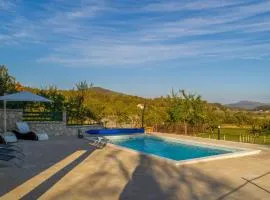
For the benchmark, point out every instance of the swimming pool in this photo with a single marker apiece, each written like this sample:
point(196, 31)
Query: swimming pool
point(174, 149)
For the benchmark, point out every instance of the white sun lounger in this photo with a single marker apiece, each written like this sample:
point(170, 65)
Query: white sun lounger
point(99, 142)
point(23, 130)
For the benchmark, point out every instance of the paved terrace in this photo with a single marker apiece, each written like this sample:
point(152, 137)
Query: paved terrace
point(69, 168)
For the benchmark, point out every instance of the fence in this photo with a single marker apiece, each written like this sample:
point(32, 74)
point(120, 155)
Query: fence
point(73, 119)
point(179, 129)
point(245, 138)
point(229, 134)
point(42, 116)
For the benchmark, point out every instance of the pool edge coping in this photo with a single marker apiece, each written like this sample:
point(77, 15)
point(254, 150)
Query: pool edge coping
point(244, 152)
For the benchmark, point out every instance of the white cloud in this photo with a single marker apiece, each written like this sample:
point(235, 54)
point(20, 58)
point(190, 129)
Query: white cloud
point(6, 5)
point(91, 55)
point(82, 34)
point(88, 11)
point(170, 6)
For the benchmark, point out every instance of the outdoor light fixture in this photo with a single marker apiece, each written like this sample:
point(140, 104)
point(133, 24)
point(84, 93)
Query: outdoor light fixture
point(142, 107)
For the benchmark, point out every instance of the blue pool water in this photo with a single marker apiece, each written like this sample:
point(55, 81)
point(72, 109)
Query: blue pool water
point(169, 149)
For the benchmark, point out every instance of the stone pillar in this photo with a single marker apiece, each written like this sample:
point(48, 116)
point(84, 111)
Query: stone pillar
point(64, 117)
point(13, 116)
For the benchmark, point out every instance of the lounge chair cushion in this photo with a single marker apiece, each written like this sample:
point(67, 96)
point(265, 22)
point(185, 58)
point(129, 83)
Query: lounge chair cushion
point(42, 136)
point(23, 127)
point(9, 137)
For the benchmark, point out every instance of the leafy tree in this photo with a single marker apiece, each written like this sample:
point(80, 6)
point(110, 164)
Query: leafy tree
point(241, 119)
point(52, 93)
point(154, 116)
point(83, 86)
point(176, 106)
point(265, 127)
point(8, 85)
point(76, 109)
point(186, 108)
point(120, 113)
point(7, 82)
point(213, 118)
point(256, 126)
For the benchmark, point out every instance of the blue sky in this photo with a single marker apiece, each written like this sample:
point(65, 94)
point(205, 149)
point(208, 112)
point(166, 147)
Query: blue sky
point(217, 48)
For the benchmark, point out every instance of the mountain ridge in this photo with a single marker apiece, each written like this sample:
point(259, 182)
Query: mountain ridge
point(244, 104)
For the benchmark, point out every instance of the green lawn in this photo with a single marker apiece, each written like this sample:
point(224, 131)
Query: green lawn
point(233, 134)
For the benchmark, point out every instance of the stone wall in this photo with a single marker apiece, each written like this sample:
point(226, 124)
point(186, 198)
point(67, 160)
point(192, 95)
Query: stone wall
point(13, 116)
point(112, 123)
point(59, 128)
point(51, 128)
point(73, 130)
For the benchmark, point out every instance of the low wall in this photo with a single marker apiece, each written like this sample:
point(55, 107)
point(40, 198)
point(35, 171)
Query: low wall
point(59, 128)
point(13, 116)
point(52, 128)
point(73, 130)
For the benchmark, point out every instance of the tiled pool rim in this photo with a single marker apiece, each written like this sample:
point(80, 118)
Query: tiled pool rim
point(243, 152)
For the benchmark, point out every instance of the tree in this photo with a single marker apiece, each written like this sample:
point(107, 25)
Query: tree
point(76, 109)
point(174, 109)
point(154, 116)
point(83, 86)
point(120, 113)
point(7, 82)
point(186, 108)
point(241, 119)
point(213, 118)
point(58, 99)
point(256, 126)
point(264, 126)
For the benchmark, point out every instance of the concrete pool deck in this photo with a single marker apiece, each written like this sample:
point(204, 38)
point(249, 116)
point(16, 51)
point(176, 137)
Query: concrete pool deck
point(69, 168)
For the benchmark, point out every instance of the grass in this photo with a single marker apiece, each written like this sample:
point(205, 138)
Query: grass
point(237, 134)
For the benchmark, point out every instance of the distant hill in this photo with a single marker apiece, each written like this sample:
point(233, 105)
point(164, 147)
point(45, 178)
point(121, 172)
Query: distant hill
point(248, 105)
point(108, 92)
point(104, 91)
point(264, 108)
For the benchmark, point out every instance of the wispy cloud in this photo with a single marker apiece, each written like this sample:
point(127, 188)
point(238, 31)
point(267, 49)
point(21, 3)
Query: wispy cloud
point(6, 5)
point(170, 6)
point(99, 33)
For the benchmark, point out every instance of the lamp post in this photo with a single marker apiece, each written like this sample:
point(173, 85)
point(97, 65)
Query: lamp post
point(5, 115)
point(219, 132)
point(142, 107)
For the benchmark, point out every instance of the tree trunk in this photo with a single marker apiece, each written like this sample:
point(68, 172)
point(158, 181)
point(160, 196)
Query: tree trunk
point(185, 126)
